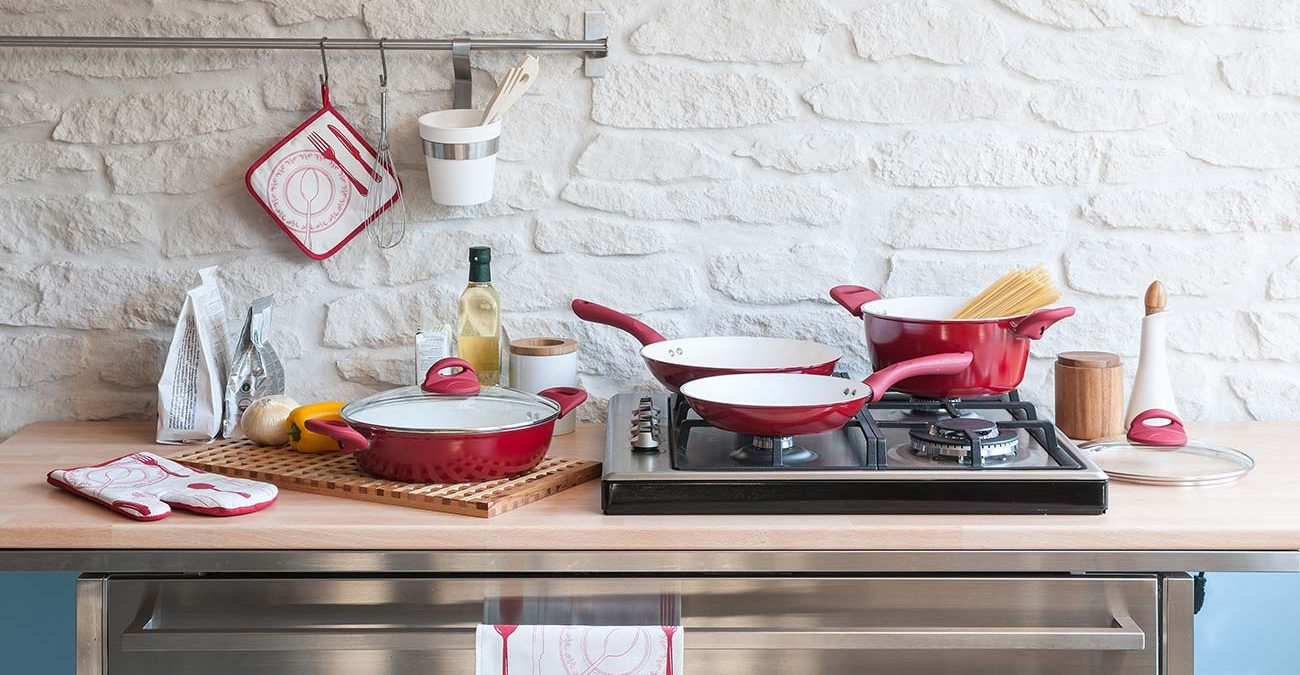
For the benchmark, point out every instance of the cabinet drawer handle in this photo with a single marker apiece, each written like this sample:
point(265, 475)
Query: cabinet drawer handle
point(1123, 634)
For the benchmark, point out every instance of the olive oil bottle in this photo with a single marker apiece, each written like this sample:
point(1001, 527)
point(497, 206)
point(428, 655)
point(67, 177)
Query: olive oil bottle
point(478, 326)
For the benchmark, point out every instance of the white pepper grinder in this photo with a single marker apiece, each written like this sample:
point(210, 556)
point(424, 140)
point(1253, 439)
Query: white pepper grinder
point(1151, 387)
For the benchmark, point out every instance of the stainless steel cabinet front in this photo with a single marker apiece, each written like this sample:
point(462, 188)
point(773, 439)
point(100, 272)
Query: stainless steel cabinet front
point(782, 625)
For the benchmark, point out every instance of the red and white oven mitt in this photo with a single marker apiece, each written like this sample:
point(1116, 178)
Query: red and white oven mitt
point(322, 183)
point(145, 486)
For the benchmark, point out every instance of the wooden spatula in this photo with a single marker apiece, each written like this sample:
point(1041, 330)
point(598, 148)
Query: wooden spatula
point(513, 86)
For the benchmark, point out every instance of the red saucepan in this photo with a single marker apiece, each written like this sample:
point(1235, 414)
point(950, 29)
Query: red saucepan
point(676, 362)
point(899, 329)
point(774, 407)
point(449, 430)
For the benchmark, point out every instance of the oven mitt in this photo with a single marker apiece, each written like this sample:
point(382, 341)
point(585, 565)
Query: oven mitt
point(145, 486)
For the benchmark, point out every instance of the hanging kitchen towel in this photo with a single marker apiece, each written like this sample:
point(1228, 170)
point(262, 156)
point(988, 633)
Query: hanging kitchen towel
point(145, 486)
point(579, 650)
point(316, 182)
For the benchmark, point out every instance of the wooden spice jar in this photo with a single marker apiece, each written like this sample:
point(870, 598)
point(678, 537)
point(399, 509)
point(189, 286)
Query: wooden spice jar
point(1089, 394)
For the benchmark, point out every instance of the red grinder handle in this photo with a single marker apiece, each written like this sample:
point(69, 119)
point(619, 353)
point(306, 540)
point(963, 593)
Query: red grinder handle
point(933, 364)
point(853, 298)
point(350, 440)
point(1169, 435)
point(568, 397)
point(1038, 321)
point(462, 383)
point(590, 311)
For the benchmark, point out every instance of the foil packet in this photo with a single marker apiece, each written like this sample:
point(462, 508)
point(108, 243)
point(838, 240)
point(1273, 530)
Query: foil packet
point(255, 369)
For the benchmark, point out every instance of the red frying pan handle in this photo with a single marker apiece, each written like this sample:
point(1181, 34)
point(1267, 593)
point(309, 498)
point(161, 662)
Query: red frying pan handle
point(853, 298)
point(350, 440)
point(1169, 435)
point(1038, 321)
point(934, 364)
point(568, 397)
point(590, 311)
point(461, 383)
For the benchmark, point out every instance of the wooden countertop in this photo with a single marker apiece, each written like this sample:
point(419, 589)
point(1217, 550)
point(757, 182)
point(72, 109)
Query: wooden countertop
point(1260, 512)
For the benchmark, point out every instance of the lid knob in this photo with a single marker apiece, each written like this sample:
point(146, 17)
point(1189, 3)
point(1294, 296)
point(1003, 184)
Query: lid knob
point(461, 383)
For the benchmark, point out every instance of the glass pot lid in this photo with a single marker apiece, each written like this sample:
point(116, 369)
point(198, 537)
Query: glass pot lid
point(1157, 451)
point(1196, 463)
point(451, 404)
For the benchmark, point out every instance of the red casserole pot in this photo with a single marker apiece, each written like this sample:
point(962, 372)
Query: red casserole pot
point(449, 430)
point(676, 362)
point(898, 329)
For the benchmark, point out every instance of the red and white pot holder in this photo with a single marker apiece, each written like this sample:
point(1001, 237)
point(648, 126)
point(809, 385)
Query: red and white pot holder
point(145, 486)
point(579, 650)
point(322, 183)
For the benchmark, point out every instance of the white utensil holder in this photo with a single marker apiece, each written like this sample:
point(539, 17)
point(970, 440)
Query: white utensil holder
point(460, 155)
point(542, 363)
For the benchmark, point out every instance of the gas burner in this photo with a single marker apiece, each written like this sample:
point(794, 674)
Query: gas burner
point(943, 408)
point(761, 450)
point(954, 439)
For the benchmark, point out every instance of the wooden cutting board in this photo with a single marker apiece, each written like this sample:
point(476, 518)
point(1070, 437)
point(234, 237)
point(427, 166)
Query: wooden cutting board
point(337, 475)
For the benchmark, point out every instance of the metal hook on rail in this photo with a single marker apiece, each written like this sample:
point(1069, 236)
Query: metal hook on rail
point(324, 64)
point(383, 64)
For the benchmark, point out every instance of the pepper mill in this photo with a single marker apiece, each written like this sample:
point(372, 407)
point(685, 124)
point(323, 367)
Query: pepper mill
point(1151, 387)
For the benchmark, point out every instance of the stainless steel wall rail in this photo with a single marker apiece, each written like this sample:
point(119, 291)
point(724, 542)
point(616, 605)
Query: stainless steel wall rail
point(596, 47)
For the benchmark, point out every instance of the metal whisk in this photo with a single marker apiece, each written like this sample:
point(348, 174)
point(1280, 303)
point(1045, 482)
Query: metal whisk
point(389, 227)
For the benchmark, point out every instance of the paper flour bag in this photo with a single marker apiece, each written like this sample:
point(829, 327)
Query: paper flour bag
point(191, 388)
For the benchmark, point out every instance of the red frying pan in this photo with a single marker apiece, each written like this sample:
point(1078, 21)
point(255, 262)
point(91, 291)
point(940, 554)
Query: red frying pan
point(774, 407)
point(676, 362)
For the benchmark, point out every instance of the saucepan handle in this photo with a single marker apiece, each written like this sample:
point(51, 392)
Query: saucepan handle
point(461, 383)
point(853, 298)
point(590, 311)
point(933, 364)
point(1038, 321)
point(350, 440)
point(1169, 435)
point(568, 397)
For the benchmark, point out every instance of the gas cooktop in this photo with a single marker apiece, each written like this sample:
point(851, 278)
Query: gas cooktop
point(900, 455)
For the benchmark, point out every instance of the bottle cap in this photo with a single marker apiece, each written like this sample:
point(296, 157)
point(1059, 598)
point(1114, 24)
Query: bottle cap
point(480, 254)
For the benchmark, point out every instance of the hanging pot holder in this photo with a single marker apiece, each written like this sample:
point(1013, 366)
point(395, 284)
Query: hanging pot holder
point(317, 182)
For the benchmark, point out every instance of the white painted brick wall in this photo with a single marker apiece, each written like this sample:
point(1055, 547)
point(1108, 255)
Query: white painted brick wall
point(741, 157)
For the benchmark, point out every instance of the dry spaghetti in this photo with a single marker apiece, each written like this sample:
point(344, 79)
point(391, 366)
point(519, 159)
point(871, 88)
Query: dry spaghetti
point(1018, 292)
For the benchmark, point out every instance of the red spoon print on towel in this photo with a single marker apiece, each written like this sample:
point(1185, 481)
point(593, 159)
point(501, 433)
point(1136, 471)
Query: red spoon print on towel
point(308, 194)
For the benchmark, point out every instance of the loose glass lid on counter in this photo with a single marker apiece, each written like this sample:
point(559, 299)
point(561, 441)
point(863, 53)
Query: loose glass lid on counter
point(1157, 451)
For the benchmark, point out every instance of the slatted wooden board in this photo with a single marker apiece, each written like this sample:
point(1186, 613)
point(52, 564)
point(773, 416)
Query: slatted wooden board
point(337, 475)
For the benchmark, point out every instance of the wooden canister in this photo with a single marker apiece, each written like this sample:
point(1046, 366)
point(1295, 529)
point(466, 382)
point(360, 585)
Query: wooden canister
point(1089, 394)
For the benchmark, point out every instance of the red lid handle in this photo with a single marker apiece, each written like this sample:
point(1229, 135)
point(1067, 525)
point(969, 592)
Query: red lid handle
point(590, 311)
point(461, 383)
point(853, 298)
point(1168, 435)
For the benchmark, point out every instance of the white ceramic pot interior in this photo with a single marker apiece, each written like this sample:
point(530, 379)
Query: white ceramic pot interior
point(457, 126)
point(740, 353)
point(926, 308)
point(775, 390)
point(453, 414)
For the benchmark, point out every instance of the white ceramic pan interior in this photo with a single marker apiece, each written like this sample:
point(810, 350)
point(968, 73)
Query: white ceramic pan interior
point(741, 353)
point(924, 308)
point(776, 390)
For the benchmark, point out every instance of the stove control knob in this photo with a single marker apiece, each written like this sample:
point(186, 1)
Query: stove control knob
point(645, 438)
